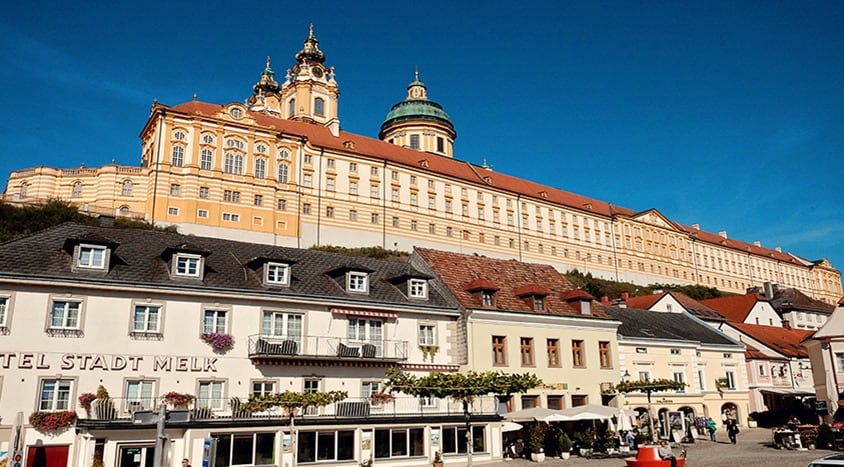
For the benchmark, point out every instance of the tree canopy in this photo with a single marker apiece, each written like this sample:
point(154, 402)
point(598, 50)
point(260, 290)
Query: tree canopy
point(293, 400)
point(649, 386)
point(460, 386)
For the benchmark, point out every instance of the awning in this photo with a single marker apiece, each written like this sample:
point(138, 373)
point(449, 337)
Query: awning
point(787, 391)
point(365, 313)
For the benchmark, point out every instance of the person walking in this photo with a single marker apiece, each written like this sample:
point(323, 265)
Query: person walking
point(732, 430)
point(711, 427)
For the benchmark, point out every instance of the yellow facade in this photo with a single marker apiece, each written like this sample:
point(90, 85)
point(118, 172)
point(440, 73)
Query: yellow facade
point(215, 170)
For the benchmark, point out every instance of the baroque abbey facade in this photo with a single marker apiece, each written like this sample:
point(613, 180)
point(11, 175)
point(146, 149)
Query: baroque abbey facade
point(278, 169)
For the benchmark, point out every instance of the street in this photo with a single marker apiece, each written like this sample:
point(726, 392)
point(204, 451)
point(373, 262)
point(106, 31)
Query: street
point(752, 450)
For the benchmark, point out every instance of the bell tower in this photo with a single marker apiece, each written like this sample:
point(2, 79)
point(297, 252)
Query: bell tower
point(309, 92)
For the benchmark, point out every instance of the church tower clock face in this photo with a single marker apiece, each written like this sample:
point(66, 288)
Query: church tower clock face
point(317, 72)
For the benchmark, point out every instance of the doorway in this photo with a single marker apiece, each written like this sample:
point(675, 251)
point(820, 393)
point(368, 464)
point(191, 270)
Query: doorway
point(137, 456)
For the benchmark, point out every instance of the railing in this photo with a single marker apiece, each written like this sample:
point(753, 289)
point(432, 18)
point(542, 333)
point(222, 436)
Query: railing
point(146, 411)
point(326, 347)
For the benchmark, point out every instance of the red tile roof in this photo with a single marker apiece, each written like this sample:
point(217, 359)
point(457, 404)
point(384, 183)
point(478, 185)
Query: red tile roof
point(645, 302)
point(735, 307)
point(752, 353)
point(576, 294)
point(783, 340)
point(509, 276)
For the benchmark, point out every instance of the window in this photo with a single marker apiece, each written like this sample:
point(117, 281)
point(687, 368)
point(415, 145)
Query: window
point(417, 288)
point(203, 192)
point(427, 334)
point(245, 449)
point(399, 442)
point(374, 218)
point(314, 446)
point(553, 348)
point(260, 168)
point(319, 106)
point(145, 319)
point(282, 205)
point(353, 167)
point(675, 351)
point(178, 157)
point(357, 282)
point(530, 402)
point(395, 222)
point(55, 395)
point(77, 190)
point(307, 180)
point(140, 395)
point(175, 189)
point(227, 195)
point(413, 225)
point(701, 384)
point(227, 216)
point(263, 388)
point(680, 377)
point(440, 144)
point(202, 213)
point(414, 141)
point(641, 350)
point(373, 191)
point(432, 228)
point(499, 350)
point(91, 256)
point(235, 196)
point(236, 112)
point(258, 200)
point(577, 360)
point(280, 324)
point(538, 303)
point(291, 107)
point(277, 273)
point(353, 188)
point(205, 159)
point(486, 298)
point(171, 211)
point(4, 312)
point(187, 265)
point(731, 379)
point(839, 359)
point(65, 314)
point(210, 395)
point(329, 184)
point(644, 375)
point(283, 172)
point(353, 215)
point(365, 330)
point(454, 439)
point(526, 344)
point(309, 159)
point(127, 188)
point(214, 320)
point(604, 354)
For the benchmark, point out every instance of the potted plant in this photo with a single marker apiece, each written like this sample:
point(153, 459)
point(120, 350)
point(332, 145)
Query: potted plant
point(564, 445)
point(178, 400)
point(85, 400)
point(380, 398)
point(585, 441)
point(537, 432)
point(102, 405)
point(438, 460)
point(52, 421)
point(218, 341)
point(428, 350)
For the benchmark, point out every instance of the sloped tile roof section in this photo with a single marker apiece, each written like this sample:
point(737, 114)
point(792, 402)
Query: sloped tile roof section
point(575, 295)
point(644, 324)
point(230, 266)
point(735, 307)
point(782, 340)
point(791, 299)
point(696, 308)
point(457, 271)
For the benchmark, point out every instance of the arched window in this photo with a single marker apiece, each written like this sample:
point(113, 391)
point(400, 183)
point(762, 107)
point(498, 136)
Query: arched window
point(207, 138)
point(24, 188)
point(292, 107)
point(282, 172)
point(319, 106)
point(283, 154)
point(238, 164)
point(127, 187)
point(260, 168)
point(229, 165)
point(178, 158)
point(179, 135)
point(77, 190)
point(124, 210)
point(206, 157)
point(261, 148)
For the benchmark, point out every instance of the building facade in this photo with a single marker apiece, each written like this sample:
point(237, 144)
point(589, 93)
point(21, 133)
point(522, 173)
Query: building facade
point(279, 170)
point(201, 324)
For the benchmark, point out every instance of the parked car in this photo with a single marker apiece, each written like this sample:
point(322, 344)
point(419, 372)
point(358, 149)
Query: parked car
point(828, 461)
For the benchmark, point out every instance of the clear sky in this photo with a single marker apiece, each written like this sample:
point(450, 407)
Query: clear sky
point(727, 114)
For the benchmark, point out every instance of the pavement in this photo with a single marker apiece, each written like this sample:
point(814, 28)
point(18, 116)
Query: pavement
point(752, 450)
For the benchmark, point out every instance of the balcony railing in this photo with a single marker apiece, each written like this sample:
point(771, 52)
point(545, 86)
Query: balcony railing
point(146, 411)
point(324, 347)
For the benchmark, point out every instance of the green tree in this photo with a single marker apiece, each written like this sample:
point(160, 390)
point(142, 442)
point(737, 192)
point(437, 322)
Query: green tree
point(463, 387)
point(649, 387)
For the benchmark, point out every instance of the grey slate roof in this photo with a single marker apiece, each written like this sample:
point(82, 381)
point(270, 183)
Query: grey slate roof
point(140, 258)
point(645, 324)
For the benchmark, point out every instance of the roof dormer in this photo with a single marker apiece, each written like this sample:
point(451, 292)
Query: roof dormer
point(580, 300)
point(533, 294)
point(274, 271)
point(186, 261)
point(90, 252)
point(414, 284)
point(355, 278)
point(483, 292)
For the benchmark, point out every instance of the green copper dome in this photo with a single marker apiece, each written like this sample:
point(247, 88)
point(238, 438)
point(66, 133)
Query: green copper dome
point(416, 107)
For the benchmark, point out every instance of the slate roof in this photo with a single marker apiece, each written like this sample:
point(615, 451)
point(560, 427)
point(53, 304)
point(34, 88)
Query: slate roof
point(645, 324)
point(786, 300)
point(458, 271)
point(140, 259)
point(782, 340)
point(735, 307)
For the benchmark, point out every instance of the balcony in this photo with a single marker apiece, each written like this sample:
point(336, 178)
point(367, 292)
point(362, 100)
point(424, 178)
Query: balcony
point(268, 349)
point(118, 412)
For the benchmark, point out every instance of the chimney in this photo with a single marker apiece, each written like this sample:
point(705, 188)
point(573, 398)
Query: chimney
point(605, 300)
point(723, 233)
point(769, 290)
point(757, 243)
point(625, 296)
point(779, 249)
point(696, 226)
point(786, 324)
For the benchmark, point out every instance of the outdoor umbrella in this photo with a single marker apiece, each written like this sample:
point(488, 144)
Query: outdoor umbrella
point(510, 426)
point(536, 414)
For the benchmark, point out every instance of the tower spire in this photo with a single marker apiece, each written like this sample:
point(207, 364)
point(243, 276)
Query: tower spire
point(310, 52)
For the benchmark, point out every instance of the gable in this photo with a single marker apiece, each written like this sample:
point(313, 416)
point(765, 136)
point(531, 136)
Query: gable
point(654, 217)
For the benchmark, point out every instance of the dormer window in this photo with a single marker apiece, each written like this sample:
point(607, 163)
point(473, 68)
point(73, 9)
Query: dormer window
point(357, 282)
point(91, 256)
point(538, 303)
point(277, 274)
point(187, 265)
point(486, 298)
point(417, 288)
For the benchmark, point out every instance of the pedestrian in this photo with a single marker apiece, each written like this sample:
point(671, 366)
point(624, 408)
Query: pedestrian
point(185, 462)
point(732, 430)
point(630, 440)
point(666, 454)
point(711, 426)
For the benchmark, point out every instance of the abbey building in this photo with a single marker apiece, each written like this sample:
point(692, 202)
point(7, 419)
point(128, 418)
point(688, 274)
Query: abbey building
point(278, 169)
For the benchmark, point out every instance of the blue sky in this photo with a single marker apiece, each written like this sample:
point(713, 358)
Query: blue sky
point(727, 114)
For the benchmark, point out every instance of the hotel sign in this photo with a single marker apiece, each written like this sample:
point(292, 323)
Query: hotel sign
point(104, 362)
